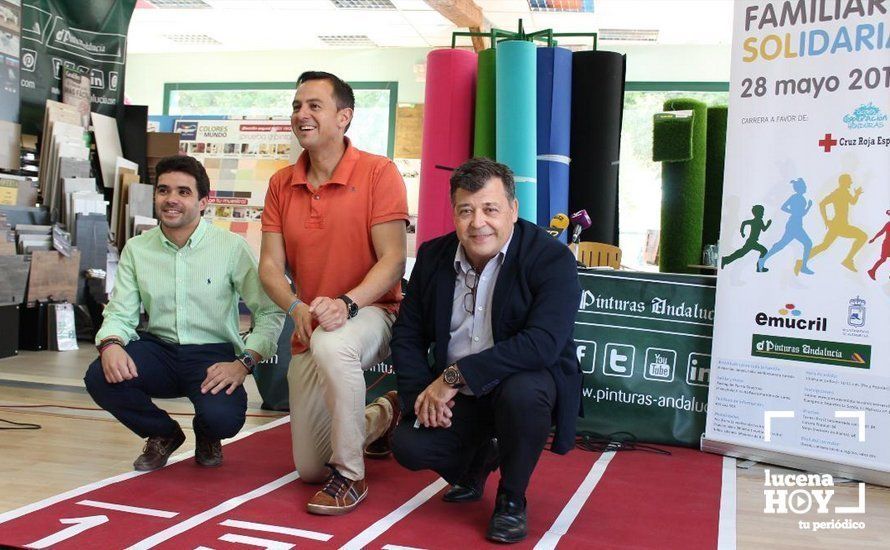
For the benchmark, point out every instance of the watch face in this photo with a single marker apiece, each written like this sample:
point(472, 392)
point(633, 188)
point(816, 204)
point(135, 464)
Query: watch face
point(450, 376)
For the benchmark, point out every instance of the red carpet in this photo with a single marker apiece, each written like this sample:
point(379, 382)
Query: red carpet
point(640, 500)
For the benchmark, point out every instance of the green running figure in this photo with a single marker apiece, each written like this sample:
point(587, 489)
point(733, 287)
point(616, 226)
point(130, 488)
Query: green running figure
point(756, 226)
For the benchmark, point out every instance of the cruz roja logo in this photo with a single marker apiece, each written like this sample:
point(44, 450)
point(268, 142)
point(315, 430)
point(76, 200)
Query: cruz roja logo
point(791, 318)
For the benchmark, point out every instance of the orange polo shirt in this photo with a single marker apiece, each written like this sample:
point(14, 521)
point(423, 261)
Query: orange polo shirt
point(327, 232)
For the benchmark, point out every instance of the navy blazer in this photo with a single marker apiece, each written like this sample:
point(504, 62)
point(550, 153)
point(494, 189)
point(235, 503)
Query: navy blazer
point(535, 301)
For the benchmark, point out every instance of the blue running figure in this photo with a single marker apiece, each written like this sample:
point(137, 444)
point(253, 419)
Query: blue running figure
point(797, 206)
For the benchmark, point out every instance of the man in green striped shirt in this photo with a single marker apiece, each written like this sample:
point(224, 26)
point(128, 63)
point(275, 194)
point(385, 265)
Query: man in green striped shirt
point(188, 275)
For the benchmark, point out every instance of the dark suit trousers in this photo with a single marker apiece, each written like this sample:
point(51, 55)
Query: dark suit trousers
point(518, 412)
point(166, 371)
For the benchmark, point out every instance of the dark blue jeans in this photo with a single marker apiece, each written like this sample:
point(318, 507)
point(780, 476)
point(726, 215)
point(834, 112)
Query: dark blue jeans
point(166, 371)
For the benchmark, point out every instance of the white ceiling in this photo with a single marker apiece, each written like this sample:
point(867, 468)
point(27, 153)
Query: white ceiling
point(258, 25)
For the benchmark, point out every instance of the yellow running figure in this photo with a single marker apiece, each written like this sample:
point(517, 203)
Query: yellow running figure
point(839, 225)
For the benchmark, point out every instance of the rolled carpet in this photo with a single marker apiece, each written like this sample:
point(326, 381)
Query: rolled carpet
point(597, 106)
point(516, 124)
point(683, 195)
point(554, 132)
point(447, 135)
point(710, 231)
point(484, 137)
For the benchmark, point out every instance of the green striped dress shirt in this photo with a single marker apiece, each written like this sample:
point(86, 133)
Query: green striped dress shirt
point(191, 293)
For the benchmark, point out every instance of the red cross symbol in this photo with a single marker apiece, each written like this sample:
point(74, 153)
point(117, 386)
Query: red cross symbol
point(827, 143)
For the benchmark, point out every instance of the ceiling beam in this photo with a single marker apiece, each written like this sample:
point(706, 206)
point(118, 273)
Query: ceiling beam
point(463, 13)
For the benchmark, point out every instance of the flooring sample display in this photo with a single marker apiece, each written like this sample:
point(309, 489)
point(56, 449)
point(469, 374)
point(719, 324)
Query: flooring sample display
point(55, 112)
point(683, 196)
point(597, 106)
point(447, 135)
point(14, 280)
point(486, 99)
point(108, 146)
point(554, 133)
point(10, 145)
point(672, 136)
point(516, 124)
point(53, 276)
point(92, 241)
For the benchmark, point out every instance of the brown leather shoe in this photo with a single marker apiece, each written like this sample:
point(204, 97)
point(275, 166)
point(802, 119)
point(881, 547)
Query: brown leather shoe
point(339, 496)
point(382, 447)
point(157, 450)
point(208, 452)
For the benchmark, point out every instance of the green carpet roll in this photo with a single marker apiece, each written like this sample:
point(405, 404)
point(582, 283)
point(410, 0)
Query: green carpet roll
point(714, 174)
point(484, 136)
point(683, 196)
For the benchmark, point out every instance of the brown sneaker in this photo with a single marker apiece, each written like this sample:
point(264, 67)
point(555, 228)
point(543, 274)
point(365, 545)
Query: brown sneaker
point(157, 450)
point(208, 452)
point(381, 447)
point(339, 496)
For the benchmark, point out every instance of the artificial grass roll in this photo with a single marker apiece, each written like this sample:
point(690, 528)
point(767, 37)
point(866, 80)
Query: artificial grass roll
point(683, 195)
point(710, 232)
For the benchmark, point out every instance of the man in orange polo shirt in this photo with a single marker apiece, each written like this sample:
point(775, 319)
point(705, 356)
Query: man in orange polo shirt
point(337, 219)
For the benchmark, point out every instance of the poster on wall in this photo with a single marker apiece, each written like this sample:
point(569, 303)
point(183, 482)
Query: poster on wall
point(240, 156)
point(801, 354)
point(88, 36)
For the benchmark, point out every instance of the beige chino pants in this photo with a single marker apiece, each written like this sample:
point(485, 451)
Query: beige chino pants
point(329, 421)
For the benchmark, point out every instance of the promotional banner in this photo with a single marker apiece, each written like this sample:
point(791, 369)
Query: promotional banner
point(240, 156)
point(801, 356)
point(10, 42)
point(88, 36)
point(644, 344)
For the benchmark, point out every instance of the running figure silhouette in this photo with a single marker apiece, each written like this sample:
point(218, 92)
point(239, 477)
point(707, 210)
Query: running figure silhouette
point(797, 206)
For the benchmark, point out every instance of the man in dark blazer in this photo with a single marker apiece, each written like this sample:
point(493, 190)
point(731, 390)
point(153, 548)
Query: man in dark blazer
point(493, 304)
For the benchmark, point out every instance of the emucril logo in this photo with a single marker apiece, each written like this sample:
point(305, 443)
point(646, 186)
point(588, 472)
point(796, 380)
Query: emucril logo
point(790, 317)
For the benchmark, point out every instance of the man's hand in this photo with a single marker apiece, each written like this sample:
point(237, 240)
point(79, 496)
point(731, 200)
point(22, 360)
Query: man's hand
point(220, 375)
point(117, 364)
point(302, 322)
point(433, 405)
point(330, 313)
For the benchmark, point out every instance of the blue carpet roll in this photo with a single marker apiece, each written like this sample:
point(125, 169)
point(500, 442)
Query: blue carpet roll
point(554, 132)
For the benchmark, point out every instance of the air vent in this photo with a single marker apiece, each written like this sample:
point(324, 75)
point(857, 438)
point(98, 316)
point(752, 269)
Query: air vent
point(179, 4)
point(363, 4)
point(628, 35)
point(347, 40)
point(193, 39)
point(576, 6)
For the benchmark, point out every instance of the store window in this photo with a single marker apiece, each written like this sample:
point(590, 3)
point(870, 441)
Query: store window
point(639, 184)
point(373, 128)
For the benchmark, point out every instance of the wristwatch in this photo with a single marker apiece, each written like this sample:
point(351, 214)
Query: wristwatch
point(453, 378)
point(247, 360)
point(351, 307)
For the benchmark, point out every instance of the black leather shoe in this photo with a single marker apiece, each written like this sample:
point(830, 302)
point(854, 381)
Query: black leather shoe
point(471, 488)
point(509, 522)
point(459, 493)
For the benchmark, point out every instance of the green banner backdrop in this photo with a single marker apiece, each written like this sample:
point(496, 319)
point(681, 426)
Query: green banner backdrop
point(89, 36)
point(644, 343)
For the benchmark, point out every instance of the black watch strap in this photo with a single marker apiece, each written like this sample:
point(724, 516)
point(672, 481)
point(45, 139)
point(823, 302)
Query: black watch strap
point(248, 361)
point(351, 307)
